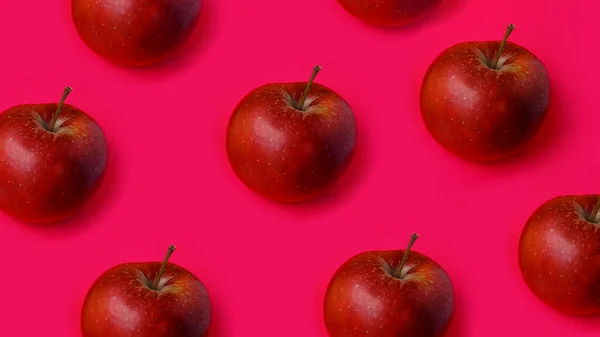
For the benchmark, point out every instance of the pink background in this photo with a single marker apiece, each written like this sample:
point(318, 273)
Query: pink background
point(267, 265)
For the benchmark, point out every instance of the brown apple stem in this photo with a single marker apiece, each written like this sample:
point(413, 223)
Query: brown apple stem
point(316, 70)
point(161, 271)
point(595, 212)
point(52, 124)
point(509, 30)
point(413, 238)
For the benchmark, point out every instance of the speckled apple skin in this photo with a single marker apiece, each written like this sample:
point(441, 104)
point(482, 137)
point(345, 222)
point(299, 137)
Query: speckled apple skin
point(120, 303)
point(47, 177)
point(288, 155)
point(363, 299)
point(135, 32)
point(559, 254)
point(389, 13)
point(483, 114)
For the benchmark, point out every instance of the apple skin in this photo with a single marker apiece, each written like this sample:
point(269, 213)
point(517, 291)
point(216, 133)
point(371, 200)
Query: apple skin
point(483, 114)
point(364, 299)
point(135, 33)
point(389, 13)
point(47, 177)
point(121, 303)
point(285, 154)
point(559, 254)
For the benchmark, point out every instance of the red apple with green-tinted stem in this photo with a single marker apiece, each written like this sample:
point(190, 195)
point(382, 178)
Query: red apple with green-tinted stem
point(135, 32)
point(559, 254)
point(396, 293)
point(53, 159)
point(389, 13)
point(290, 142)
point(485, 101)
point(147, 299)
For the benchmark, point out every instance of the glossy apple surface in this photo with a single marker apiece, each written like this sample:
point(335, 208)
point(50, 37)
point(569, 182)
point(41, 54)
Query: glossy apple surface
point(398, 293)
point(290, 142)
point(389, 13)
point(135, 32)
point(485, 101)
point(148, 299)
point(559, 254)
point(53, 159)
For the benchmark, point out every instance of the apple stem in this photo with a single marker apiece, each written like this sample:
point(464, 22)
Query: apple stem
point(300, 105)
point(52, 124)
point(509, 30)
point(594, 213)
point(413, 238)
point(161, 271)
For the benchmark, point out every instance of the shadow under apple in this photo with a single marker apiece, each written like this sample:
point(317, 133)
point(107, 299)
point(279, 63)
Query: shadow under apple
point(182, 58)
point(458, 321)
point(577, 324)
point(550, 134)
point(216, 328)
point(590, 323)
point(446, 8)
point(107, 192)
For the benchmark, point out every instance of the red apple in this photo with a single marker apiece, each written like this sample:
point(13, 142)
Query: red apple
point(389, 13)
point(485, 101)
point(389, 294)
point(135, 32)
point(53, 160)
point(559, 254)
point(290, 142)
point(149, 299)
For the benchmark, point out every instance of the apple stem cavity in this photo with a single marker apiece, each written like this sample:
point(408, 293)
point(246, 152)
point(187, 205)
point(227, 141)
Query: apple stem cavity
point(398, 273)
point(594, 213)
point(509, 30)
point(161, 271)
point(52, 125)
point(302, 101)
